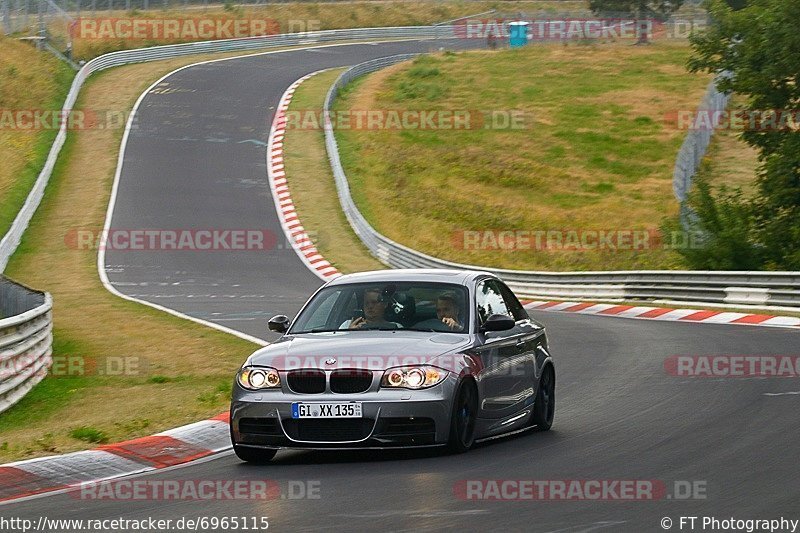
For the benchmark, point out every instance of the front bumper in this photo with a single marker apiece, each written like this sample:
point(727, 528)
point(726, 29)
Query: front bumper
point(391, 418)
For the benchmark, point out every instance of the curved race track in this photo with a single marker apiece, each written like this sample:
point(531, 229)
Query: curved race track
point(197, 160)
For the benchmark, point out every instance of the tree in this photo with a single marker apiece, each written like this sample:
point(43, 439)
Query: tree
point(760, 46)
point(721, 225)
point(737, 4)
point(644, 10)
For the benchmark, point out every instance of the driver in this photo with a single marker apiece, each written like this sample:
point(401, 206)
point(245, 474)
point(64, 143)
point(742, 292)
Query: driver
point(374, 309)
point(448, 314)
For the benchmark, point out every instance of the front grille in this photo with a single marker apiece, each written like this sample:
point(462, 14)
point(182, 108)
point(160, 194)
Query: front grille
point(350, 381)
point(306, 381)
point(259, 426)
point(330, 430)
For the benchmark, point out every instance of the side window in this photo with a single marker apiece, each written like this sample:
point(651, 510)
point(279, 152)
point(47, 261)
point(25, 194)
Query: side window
point(517, 311)
point(489, 301)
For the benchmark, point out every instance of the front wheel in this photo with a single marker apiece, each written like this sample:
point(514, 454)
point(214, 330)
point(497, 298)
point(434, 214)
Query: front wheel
point(254, 455)
point(544, 407)
point(462, 421)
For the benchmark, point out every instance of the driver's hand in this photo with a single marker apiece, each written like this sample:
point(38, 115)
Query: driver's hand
point(357, 322)
point(451, 323)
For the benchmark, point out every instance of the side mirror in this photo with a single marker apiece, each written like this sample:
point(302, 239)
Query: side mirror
point(498, 322)
point(279, 323)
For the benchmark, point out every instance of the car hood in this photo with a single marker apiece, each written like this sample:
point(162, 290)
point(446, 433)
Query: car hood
point(369, 350)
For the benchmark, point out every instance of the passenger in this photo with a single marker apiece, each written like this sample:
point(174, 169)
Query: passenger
point(448, 314)
point(374, 309)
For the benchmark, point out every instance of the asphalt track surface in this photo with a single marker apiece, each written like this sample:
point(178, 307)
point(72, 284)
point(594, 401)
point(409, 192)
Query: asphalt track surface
point(619, 416)
point(196, 160)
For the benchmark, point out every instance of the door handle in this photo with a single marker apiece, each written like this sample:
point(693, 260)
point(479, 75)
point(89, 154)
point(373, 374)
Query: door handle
point(520, 342)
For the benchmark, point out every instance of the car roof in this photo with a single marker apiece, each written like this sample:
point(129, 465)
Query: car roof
point(434, 275)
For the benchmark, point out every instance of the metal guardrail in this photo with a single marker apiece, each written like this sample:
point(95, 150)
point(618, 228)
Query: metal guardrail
point(12, 238)
point(26, 340)
point(758, 289)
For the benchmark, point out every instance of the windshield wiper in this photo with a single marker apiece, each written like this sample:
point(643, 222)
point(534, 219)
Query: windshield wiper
point(319, 330)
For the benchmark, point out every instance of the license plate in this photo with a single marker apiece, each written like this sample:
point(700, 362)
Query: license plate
point(326, 410)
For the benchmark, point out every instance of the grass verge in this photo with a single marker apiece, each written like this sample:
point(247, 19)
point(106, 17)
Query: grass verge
point(315, 197)
point(29, 81)
point(175, 371)
point(310, 181)
point(596, 152)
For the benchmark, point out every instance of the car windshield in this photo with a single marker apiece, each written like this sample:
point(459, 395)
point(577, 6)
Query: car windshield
point(403, 306)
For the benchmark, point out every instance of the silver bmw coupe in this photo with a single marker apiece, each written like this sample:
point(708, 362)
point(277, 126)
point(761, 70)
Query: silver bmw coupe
point(396, 358)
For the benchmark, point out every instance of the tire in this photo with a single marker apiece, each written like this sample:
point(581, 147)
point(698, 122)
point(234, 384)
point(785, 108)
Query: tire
point(254, 455)
point(463, 417)
point(544, 407)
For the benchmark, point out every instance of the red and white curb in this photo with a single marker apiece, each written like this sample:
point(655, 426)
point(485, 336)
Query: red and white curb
point(290, 222)
point(63, 472)
point(665, 313)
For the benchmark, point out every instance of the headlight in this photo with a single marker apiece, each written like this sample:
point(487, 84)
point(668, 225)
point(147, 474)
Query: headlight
point(253, 378)
point(413, 377)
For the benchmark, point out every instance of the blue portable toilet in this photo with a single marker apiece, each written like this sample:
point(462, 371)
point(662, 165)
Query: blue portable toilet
point(517, 33)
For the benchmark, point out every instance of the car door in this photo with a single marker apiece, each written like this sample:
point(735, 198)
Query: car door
point(530, 341)
point(503, 381)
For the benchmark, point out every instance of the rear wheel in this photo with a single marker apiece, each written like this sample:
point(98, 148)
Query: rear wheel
point(462, 421)
point(544, 407)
